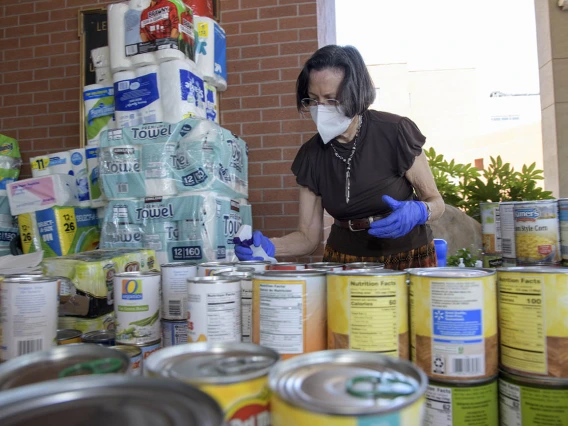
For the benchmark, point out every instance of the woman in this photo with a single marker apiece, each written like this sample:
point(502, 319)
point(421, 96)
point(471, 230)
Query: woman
point(365, 168)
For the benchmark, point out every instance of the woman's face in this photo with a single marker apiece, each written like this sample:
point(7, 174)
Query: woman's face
point(324, 84)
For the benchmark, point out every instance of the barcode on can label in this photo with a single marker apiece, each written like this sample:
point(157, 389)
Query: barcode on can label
point(29, 346)
point(468, 365)
point(174, 308)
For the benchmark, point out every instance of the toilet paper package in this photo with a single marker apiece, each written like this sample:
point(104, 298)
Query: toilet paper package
point(99, 109)
point(101, 57)
point(96, 197)
point(10, 160)
point(116, 33)
point(31, 195)
point(182, 91)
point(157, 167)
point(79, 169)
point(59, 231)
point(211, 52)
point(103, 74)
point(197, 227)
point(211, 109)
point(164, 27)
point(58, 163)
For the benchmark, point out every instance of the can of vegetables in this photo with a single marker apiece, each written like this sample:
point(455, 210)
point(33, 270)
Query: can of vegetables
point(137, 307)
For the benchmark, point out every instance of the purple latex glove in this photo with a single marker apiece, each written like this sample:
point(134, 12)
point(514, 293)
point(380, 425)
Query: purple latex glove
point(244, 252)
point(404, 217)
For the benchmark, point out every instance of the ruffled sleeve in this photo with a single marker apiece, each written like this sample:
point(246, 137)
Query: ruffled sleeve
point(410, 142)
point(304, 168)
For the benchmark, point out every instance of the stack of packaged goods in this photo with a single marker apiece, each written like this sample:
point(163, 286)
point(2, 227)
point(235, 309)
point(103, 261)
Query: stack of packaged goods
point(10, 162)
point(54, 207)
point(174, 189)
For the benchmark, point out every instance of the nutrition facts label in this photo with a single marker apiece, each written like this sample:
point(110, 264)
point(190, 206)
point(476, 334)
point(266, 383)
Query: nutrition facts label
point(523, 337)
point(282, 317)
point(246, 306)
point(438, 406)
point(509, 404)
point(223, 316)
point(373, 302)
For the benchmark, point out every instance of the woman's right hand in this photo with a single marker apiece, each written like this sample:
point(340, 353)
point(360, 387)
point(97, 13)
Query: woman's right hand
point(243, 249)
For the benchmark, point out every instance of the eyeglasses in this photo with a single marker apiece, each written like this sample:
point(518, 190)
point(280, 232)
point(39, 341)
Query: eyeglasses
point(309, 102)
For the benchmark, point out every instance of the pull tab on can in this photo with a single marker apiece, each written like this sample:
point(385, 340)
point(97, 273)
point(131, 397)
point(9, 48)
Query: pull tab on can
point(383, 385)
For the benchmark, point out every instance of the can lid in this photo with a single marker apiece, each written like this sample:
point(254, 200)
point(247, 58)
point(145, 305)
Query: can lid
point(292, 273)
point(47, 365)
point(114, 400)
point(347, 383)
point(212, 279)
point(240, 274)
point(177, 264)
point(215, 264)
point(451, 272)
point(99, 336)
point(68, 333)
point(533, 270)
point(131, 351)
point(138, 274)
point(28, 279)
point(212, 363)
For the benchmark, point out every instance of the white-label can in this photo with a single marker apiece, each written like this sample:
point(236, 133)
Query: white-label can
point(28, 315)
point(174, 333)
point(214, 309)
point(137, 307)
point(206, 269)
point(174, 289)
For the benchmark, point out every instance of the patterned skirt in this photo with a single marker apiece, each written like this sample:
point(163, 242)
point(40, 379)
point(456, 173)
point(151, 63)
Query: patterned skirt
point(422, 257)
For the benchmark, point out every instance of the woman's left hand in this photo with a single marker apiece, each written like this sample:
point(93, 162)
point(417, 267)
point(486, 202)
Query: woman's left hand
point(404, 217)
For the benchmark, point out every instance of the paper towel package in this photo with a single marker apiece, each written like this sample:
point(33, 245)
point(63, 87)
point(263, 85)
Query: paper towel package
point(182, 91)
point(10, 160)
point(211, 52)
point(164, 27)
point(116, 33)
point(96, 197)
point(100, 57)
point(51, 164)
point(79, 168)
point(31, 195)
point(165, 159)
point(59, 231)
point(150, 103)
point(197, 227)
point(99, 109)
point(91, 275)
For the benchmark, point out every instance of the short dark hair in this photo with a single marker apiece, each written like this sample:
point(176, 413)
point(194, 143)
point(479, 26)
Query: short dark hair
point(356, 92)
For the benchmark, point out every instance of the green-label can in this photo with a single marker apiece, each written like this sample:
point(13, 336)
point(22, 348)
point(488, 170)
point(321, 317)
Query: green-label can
point(532, 401)
point(463, 403)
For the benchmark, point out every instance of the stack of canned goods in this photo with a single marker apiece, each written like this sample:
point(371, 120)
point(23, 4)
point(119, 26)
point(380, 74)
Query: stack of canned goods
point(453, 322)
point(533, 313)
point(525, 233)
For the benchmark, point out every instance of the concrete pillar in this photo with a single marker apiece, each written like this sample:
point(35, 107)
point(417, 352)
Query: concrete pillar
point(552, 39)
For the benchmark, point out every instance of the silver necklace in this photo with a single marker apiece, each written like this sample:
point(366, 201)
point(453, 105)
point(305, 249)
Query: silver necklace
point(348, 160)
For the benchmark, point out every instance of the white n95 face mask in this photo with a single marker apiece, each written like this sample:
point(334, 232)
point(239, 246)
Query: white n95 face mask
point(330, 121)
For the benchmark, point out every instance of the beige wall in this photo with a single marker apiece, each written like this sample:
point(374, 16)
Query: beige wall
point(552, 39)
point(457, 119)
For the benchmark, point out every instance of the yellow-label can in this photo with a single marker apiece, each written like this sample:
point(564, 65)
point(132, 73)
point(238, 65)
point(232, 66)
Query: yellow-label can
point(347, 388)
point(533, 320)
point(367, 310)
point(234, 374)
point(453, 322)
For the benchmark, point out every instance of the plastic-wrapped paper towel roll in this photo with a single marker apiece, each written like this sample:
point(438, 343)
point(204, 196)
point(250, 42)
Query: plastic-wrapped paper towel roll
point(103, 74)
point(52, 164)
point(121, 235)
point(158, 168)
point(125, 109)
point(101, 57)
point(182, 91)
point(116, 33)
point(121, 173)
point(79, 167)
point(99, 108)
point(151, 111)
point(132, 37)
point(211, 109)
point(30, 195)
point(93, 170)
point(211, 52)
